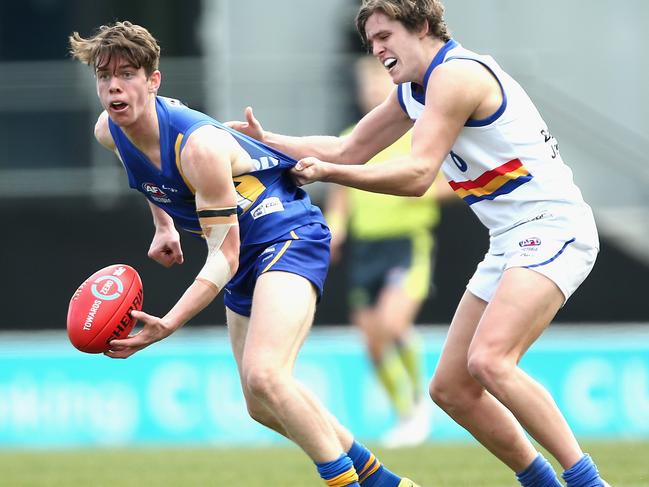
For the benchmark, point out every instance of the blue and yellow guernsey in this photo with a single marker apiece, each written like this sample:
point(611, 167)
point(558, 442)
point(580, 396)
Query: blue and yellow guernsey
point(269, 203)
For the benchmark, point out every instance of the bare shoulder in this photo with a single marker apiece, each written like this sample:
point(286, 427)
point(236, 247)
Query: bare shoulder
point(461, 76)
point(209, 138)
point(102, 132)
point(460, 86)
point(206, 145)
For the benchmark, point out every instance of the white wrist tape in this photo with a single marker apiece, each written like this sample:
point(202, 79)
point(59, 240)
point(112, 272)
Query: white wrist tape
point(215, 224)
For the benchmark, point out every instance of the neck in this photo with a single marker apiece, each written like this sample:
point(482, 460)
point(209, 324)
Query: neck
point(145, 132)
point(428, 53)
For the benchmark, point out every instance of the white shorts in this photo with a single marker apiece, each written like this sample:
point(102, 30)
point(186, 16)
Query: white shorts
point(562, 247)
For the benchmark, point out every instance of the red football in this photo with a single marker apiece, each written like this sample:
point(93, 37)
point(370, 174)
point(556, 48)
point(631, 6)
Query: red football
point(100, 308)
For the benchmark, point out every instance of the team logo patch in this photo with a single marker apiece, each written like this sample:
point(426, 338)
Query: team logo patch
point(154, 192)
point(530, 242)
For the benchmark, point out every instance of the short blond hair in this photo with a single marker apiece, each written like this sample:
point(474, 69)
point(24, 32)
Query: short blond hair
point(131, 42)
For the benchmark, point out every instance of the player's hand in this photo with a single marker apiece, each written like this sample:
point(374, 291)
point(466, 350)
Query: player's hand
point(165, 248)
point(153, 330)
point(251, 127)
point(309, 170)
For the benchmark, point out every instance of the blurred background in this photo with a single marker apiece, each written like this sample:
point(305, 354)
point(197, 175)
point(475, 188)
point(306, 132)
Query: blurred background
point(66, 209)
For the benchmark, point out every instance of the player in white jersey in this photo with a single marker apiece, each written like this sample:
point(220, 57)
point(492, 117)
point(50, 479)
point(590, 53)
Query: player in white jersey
point(477, 123)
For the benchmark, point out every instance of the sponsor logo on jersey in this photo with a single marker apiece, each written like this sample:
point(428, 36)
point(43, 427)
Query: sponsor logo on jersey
point(530, 242)
point(267, 206)
point(155, 193)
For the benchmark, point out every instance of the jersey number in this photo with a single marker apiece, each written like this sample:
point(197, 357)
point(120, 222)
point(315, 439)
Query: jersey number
point(459, 162)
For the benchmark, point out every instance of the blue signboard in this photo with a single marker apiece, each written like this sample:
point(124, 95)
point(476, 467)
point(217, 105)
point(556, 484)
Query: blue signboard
point(186, 389)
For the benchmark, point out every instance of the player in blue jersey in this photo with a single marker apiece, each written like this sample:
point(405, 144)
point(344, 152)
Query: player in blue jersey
point(476, 123)
point(268, 247)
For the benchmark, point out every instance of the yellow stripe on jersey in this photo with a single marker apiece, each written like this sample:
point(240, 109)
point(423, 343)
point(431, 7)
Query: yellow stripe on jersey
point(179, 141)
point(248, 188)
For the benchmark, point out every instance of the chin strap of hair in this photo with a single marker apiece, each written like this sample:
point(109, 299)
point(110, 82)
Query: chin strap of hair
point(216, 223)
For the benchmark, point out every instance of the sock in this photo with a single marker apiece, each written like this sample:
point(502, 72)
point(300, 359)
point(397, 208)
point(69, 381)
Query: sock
point(539, 473)
point(338, 473)
point(371, 472)
point(394, 379)
point(409, 350)
point(583, 474)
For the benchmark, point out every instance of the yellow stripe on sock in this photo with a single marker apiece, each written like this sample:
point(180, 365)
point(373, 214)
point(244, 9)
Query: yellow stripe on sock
point(345, 478)
point(370, 467)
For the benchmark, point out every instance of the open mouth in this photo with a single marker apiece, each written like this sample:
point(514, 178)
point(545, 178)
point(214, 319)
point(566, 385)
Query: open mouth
point(118, 106)
point(390, 63)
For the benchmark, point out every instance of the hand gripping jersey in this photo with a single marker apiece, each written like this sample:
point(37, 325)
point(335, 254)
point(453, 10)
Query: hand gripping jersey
point(269, 203)
point(506, 167)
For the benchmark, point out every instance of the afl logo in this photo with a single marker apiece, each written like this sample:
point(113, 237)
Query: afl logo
point(155, 193)
point(530, 242)
point(111, 289)
point(153, 190)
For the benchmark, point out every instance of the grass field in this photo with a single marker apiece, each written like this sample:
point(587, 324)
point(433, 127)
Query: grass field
point(624, 464)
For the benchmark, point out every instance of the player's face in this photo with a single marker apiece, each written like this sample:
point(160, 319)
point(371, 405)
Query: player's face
point(125, 91)
point(395, 47)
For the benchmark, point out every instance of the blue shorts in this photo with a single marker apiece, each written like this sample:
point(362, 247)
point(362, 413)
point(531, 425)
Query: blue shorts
point(303, 251)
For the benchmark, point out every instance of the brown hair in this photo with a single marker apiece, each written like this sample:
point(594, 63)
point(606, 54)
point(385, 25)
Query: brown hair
point(132, 42)
point(411, 13)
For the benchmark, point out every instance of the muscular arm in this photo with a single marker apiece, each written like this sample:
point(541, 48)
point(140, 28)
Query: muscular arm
point(207, 165)
point(206, 162)
point(377, 130)
point(455, 91)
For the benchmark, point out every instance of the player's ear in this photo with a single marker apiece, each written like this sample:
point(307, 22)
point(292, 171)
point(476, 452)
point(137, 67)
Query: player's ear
point(423, 29)
point(154, 81)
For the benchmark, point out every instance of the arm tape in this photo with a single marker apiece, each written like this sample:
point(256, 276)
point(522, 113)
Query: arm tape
point(216, 269)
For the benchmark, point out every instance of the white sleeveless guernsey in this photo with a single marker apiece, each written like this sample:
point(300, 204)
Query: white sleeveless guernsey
point(506, 167)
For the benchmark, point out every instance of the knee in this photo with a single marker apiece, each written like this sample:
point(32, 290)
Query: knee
point(453, 394)
point(489, 369)
point(261, 383)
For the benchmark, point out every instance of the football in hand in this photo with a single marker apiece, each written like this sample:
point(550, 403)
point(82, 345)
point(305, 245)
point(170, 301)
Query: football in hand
point(100, 308)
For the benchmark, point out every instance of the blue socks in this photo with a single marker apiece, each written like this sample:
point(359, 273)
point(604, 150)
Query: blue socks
point(539, 474)
point(583, 474)
point(371, 473)
point(338, 473)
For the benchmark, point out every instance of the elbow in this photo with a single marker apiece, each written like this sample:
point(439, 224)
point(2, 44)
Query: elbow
point(423, 178)
point(233, 263)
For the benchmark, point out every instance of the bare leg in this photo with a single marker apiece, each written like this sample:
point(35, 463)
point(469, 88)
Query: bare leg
point(467, 401)
point(283, 306)
point(507, 329)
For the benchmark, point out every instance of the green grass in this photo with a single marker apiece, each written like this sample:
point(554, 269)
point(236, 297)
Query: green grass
point(624, 464)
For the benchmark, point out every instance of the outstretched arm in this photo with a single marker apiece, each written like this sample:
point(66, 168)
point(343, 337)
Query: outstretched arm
point(454, 93)
point(206, 163)
point(377, 130)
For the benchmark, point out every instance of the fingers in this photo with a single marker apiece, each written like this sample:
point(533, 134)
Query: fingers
point(250, 117)
point(168, 256)
point(141, 316)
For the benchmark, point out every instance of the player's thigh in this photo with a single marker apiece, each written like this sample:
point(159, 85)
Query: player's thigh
point(452, 367)
point(283, 305)
point(523, 306)
point(397, 308)
point(237, 330)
